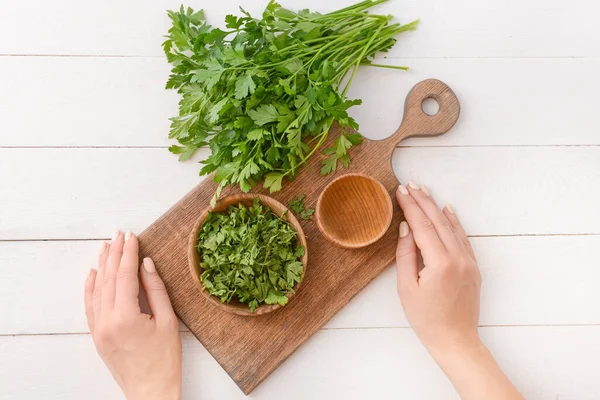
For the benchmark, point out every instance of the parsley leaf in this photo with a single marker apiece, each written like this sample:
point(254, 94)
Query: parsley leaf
point(243, 86)
point(273, 181)
point(264, 114)
point(297, 206)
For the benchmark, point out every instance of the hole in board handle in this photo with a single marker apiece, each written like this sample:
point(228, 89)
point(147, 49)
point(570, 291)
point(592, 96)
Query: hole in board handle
point(430, 106)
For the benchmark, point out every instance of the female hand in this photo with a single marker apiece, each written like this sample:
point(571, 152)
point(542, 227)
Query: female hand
point(142, 352)
point(441, 302)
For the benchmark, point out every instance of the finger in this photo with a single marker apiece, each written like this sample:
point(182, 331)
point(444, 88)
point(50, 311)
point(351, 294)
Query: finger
point(422, 228)
point(109, 284)
point(442, 226)
point(89, 299)
point(407, 267)
point(459, 230)
point(158, 298)
point(99, 279)
point(128, 287)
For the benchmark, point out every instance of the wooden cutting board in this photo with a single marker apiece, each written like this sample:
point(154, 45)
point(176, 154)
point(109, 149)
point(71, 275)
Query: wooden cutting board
point(250, 348)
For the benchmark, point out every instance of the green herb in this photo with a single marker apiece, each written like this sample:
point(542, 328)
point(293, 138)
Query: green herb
point(263, 94)
point(297, 206)
point(249, 253)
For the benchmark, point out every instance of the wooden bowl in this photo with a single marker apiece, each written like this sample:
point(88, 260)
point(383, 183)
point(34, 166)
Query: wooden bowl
point(234, 306)
point(354, 210)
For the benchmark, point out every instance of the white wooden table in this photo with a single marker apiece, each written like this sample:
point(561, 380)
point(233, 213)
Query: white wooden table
point(83, 124)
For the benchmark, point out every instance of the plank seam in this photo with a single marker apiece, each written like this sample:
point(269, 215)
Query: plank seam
point(88, 147)
point(363, 328)
point(470, 236)
point(50, 55)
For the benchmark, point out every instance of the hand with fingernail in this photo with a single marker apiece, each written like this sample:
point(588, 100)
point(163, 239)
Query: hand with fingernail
point(142, 352)
point(441, 301)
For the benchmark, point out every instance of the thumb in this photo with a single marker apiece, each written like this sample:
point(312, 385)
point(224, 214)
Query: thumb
point(406, 259)
point(158, 298)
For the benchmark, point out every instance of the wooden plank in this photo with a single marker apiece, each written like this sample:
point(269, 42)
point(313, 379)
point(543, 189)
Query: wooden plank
point(58, 101)
point(511, 190)
point(470, 28)
point(353, 364)
point(526, 282)
point(497, 108)
point(121, 101)
point(129, 187)
point(87, 193)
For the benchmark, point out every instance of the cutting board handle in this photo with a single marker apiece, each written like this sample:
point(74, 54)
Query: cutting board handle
point(416, 123)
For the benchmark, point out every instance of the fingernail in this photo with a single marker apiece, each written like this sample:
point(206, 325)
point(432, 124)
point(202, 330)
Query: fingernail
point(450, 208)
point(102, 247)
point(425, 190)
point(127, 235)
point(413, 185)
point(402, 189)
point(149, 265)
point(115, 235)
point(89, 273)
point(403, 229)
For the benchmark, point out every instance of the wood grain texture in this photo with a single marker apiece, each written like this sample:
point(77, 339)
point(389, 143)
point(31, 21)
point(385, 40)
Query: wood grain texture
point(121, 101)
point(545, 363)
point(250, 349)
point(511, 267)
point(469, 28)
point(246, 199)
point(354, 211)
point(87, 193)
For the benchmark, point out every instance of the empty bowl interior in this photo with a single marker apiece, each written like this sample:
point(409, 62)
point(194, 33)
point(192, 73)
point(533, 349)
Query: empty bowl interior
point(354, 210)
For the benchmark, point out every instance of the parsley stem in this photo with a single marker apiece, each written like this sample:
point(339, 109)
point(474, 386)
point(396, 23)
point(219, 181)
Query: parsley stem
point(362, 5)
point(385, 66)
point(322, 137)
point(352, 14)
point(360, 58)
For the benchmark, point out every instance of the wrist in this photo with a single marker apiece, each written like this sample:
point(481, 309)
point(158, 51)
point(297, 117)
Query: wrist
point(474, 373)
point(452, 352)
point(460, 362)
point(153, 393)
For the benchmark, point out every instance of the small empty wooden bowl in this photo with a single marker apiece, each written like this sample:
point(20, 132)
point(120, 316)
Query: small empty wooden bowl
point(235, 307)
point(354, 210)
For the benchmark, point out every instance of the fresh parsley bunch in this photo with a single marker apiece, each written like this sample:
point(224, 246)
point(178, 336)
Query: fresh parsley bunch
point(264, 93)
point(249, 253)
